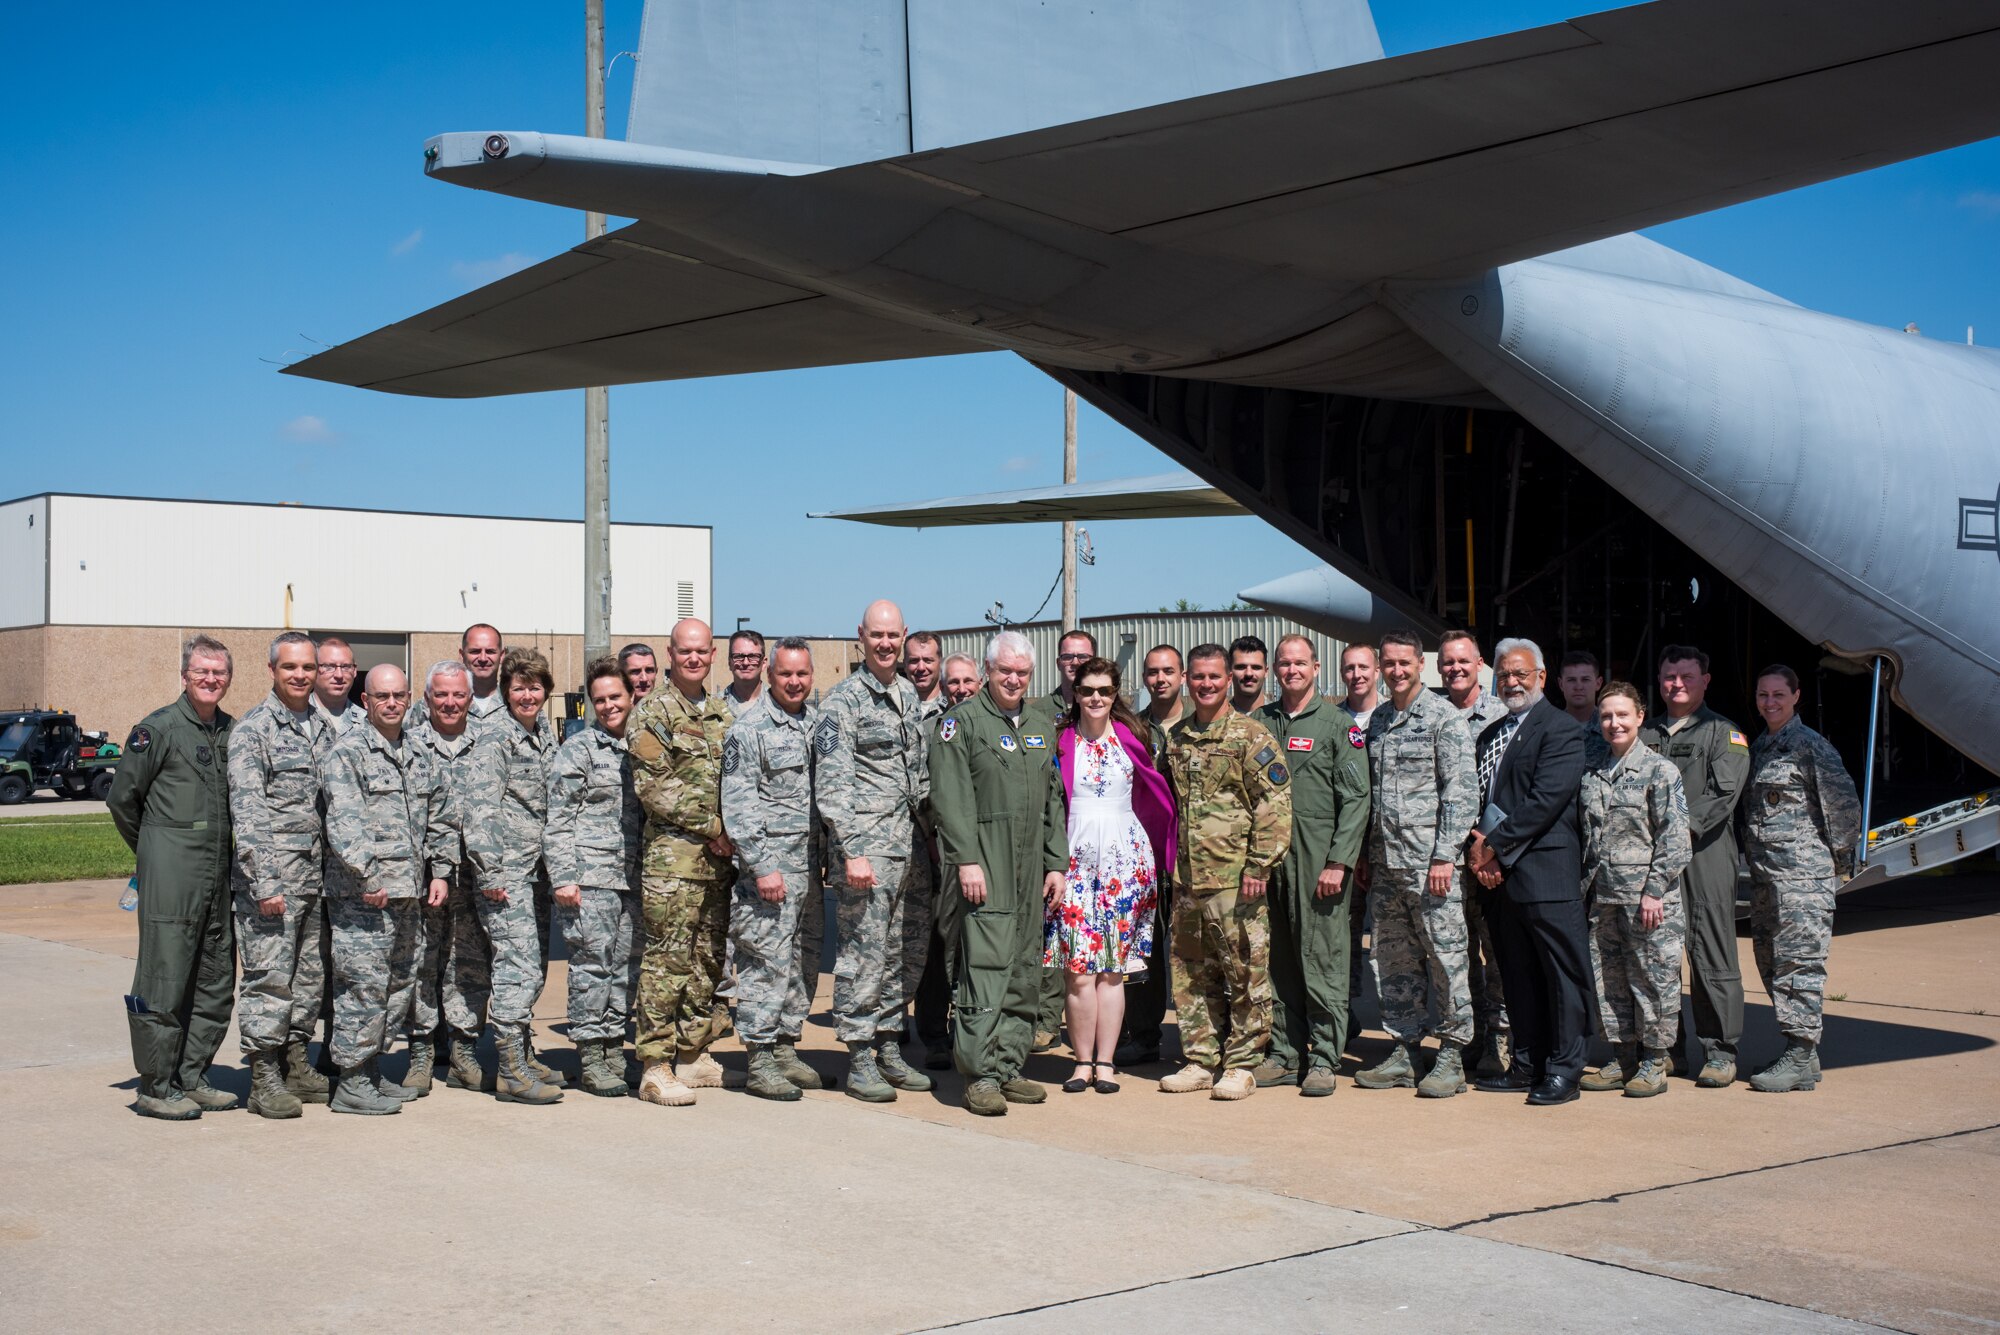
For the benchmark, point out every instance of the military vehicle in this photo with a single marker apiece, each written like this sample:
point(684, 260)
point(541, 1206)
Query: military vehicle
point(44, 748)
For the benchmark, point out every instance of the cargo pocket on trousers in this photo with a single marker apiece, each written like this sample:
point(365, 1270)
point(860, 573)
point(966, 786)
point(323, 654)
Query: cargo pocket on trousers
point(990, 941)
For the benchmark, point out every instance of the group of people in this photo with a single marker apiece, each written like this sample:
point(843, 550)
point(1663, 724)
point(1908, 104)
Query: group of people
point(1004, 866)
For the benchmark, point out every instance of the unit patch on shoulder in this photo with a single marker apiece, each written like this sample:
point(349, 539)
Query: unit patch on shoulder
point(1298, 743)
point(1006, 742)
point(1034, 742)
point(141, 738)
point(947, 729)
point(827, 735)
point(1264, 756)
point(1737, 739)
point(1277, 774)
point(1356, 737)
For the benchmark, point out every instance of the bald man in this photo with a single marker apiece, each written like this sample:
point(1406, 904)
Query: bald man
point(869, 749)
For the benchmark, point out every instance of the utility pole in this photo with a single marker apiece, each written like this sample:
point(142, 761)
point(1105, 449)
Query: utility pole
point(1069, 525)
point(597, 399)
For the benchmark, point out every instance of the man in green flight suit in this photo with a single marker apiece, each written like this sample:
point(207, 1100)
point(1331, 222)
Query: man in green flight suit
point(170, 802)
point(1328, 756)
point(1003, 844)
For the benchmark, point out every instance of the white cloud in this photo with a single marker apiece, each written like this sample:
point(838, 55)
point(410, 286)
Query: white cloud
point(408, 243)
point(308, 430)
point(487, 271)
point(1019, 463)
point(1981, 201)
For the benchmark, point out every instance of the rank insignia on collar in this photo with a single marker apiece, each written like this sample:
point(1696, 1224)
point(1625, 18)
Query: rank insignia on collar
point(1298, 743)
point(947, 729)
point(1356, 737)
point(1006, 743)
point(1034, 742)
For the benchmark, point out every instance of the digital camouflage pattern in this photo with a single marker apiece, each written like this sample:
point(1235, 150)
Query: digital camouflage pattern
point(1801, 820)
point(600, 932)
point(1633, 814)
point(454, 967)
point(1234, 788)
point(512, 764)
point(351, 716)
point(769, 809)
point(274, 812)
point(595, 830)
point(1425, 783)
point(871, 781)
point(1419, 955)
point(1482, 964)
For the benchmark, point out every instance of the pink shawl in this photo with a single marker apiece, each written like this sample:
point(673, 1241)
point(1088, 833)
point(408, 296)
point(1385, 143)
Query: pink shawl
point(1152, 799)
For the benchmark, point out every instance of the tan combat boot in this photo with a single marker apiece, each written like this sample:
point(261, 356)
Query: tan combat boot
point(660, 1085)
point(1190, 1079)
point(705, 1072)
point(1614, 1073)
point(517, 1082)
point(1649, 1077)
point(1236, 1083)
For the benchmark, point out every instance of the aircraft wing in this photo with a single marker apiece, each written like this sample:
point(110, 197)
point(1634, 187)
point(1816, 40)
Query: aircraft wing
point(1168, 496)
point(634, 305)
point(1445, 162)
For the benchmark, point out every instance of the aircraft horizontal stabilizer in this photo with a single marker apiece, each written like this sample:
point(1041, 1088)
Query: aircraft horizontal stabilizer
point(631, 306)
point(1441, 163)
point(1168, 496)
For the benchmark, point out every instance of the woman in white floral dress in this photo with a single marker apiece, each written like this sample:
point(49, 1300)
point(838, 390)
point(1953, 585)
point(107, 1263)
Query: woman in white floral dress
point(1121, 820)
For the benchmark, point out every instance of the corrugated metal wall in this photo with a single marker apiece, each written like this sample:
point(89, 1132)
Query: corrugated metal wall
point(1125, 640)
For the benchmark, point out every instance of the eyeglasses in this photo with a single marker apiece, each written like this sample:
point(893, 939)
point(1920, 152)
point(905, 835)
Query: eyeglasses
point(334, 669)
point(208, 674)
point(746, 659)
point(1093, 692)
point(1072, 658)
point(1511, 674)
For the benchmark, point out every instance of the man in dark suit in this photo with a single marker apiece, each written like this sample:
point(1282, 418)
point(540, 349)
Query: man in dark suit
point(1527, 855)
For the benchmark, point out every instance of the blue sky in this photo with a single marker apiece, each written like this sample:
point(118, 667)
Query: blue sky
point(197, 201)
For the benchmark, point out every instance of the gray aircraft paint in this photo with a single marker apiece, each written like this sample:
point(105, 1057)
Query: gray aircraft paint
point(1314, 232)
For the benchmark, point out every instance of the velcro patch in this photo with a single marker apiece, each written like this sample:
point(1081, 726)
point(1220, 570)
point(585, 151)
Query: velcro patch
point(141, 738)
point(1737, 739)
point(203, 754)
point(1356, 737)
point(947, 729)
point(1006, 743)
point(1278, 774)
point(1264, 756)
point(827, 735)
point(1034, 742)
point(1298, 743)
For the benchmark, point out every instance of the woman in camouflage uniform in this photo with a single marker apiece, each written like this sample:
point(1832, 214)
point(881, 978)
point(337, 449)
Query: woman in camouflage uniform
point(1632, 809)
point(592, 846)
point(1800, 819)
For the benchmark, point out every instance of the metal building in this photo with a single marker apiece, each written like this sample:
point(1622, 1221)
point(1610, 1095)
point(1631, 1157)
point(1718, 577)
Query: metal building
point(97, 592)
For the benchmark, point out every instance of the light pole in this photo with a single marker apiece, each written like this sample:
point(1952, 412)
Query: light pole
point(597, 399)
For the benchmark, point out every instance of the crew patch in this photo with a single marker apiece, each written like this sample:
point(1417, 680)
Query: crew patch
point(1298, 743)
point(826, 737)
point(947, 729)
point(141, 738)
point(1356, 737)
point(1277, 774)
point(1034, 742)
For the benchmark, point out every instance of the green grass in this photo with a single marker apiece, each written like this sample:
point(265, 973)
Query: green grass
point(61, 848)
point(52, 816)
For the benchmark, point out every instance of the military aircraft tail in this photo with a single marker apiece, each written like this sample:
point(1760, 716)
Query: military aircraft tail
point(836, 82)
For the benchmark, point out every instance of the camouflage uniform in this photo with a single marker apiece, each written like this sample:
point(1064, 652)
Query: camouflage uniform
point(767, 795)
point(738, 708)
point(1482, 966)
point(454, 973)
point(1635, 844)
point(593, 841)
point(512, 766)
point(677, 762)
point(391, 826)
point(1426, 796)
point(274, 763)
point(1236, 820)
point(1328, 757)
point(338, 724)
point(1801, 820)
point(480, 710)
point(871, 780)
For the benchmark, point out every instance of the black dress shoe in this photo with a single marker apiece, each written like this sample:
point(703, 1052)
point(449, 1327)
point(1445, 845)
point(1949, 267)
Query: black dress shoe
point(1515, 1081)
point(1553, 1090)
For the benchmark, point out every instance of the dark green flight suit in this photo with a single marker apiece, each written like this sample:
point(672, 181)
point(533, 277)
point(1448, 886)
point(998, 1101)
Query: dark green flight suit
point(1713, 757)
point(170, 801)
point(996, 801)
point(1328, 757)
point(1042, 716)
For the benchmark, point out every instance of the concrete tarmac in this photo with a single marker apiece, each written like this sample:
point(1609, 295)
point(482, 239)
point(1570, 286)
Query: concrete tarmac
point(1863, 1205)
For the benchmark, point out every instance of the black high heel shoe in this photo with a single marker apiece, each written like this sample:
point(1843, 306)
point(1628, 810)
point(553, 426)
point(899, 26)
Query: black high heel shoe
point(1102, 1085)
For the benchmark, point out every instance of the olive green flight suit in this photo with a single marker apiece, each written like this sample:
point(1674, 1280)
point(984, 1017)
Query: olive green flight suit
point(1714, 760)
point(1042, 716)
point(1328, 757)
point(170, 802)
point(997, 802)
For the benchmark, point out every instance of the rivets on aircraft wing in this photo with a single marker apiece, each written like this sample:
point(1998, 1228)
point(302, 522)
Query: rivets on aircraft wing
point(496, 146)
point(1470, 306)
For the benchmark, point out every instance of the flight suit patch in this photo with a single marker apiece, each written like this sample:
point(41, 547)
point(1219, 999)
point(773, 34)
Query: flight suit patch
point(141, 738)
point(947, 729)
point(203, 754)
point(1034, 743)
point(1356, 737)
point(1006, 743)
point(1298, 743)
